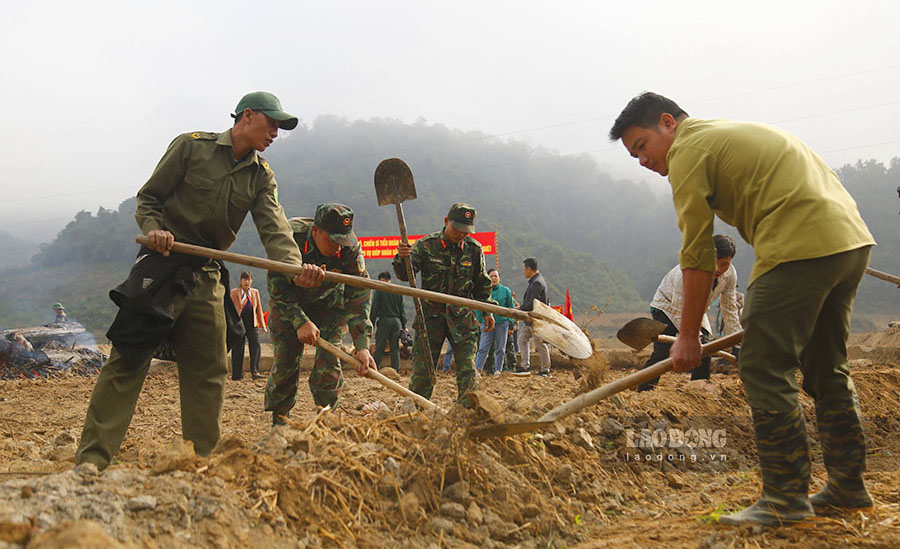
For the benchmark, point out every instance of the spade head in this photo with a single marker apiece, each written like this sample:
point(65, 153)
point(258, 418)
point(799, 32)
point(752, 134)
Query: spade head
point(557, 330)
point(394, 182)
point(640, 332)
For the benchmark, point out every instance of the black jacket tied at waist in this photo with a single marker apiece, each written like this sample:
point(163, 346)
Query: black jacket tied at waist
point(146, 303)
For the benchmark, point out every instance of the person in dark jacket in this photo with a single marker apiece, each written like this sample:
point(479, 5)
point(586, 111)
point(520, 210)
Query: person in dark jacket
point(536, 290)
point(389, 319)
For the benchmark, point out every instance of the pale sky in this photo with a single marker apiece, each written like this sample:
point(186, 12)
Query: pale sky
point(94, 91)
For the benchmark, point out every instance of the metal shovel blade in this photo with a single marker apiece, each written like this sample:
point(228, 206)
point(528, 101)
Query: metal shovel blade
point(394, 182)
point(559, 331)
point(640, 332)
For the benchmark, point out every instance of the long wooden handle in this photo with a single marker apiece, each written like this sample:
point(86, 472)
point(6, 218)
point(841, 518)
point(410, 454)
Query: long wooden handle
point(671, 339)
point(883, 276)
point(376, 375)
point(590, 398)
point(340, 278)
point(411, 278)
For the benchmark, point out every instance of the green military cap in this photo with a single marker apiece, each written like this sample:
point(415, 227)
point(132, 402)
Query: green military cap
point(269, 105)
point(58, 305)
point(337, 220)
point(463, 217)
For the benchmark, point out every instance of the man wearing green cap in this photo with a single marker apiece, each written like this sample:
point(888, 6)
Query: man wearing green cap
point(199, 193)
point(302, 315)
point(451, 262)
point(60, 313)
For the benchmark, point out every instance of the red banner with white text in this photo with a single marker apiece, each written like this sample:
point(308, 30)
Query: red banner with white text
point(385, 247)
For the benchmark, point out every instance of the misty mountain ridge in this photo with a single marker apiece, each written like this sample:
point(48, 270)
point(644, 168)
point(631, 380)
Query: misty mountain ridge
point(609, 241)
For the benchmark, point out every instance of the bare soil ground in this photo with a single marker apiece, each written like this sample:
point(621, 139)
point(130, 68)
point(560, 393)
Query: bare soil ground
point(394, 479)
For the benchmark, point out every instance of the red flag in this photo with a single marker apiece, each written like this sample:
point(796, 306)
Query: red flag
point(567, 308)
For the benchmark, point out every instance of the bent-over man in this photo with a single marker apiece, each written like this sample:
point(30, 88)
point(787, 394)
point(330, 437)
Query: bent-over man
point(302, 315)
point(199, 193)
point(812, 248)
point(668, 300)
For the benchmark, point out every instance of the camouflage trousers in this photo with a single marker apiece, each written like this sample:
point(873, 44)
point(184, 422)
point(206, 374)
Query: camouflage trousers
point(463, 335)
point(325, 380)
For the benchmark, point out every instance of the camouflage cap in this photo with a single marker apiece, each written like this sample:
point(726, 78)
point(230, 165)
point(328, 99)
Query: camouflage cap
point(463, 217)
point(337, 221)
point(58, 305)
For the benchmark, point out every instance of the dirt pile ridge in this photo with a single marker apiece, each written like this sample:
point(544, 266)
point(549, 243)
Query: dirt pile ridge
point(637, 469)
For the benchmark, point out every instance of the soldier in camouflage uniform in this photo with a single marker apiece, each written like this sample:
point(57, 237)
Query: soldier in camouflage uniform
point(451, 262)
point(301, 315)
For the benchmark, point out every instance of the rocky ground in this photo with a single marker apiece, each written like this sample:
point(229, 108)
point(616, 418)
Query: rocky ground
point(368, 475)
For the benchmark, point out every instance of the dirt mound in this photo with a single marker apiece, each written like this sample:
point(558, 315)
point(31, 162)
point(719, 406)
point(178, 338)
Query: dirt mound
point(880, 347)
point(637, 469)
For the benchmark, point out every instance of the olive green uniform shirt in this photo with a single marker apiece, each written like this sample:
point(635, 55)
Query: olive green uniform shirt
point(783, 199)
point(201, 195)
point(386, 305)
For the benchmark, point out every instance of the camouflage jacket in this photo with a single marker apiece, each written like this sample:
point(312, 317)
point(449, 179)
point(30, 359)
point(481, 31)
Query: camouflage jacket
point(454, 269)
point(296, 303)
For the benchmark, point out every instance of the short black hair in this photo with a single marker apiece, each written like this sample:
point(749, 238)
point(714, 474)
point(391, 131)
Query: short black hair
point(384, 275)
point(644, 111)
point(531, 263)
point(725, 246)
point(247, 275)
point(489, 271)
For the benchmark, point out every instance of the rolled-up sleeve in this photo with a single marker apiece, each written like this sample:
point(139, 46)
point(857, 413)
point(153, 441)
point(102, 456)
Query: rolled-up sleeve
point(728, 303)
point(691, 175)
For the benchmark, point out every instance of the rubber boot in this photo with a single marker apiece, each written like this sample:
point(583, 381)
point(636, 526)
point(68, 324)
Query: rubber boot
point(844, 450)
point(784, 467)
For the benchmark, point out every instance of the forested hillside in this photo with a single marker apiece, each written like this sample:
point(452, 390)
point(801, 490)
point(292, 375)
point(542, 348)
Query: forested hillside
point(609, 241)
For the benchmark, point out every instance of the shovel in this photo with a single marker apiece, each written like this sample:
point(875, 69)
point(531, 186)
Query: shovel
point(640, 332)
point(548, 324)
point(376, 375)
point(394, 184)
point(590, 398)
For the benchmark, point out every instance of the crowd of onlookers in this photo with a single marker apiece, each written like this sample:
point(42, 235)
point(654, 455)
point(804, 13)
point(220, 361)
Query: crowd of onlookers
point(499, 349)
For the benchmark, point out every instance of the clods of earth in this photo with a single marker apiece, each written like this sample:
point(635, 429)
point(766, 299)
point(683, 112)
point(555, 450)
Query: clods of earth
point(639, 469)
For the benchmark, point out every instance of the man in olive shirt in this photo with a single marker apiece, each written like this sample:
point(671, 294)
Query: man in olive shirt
point(812, 248)
point(389, 318)
point(199, 193)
